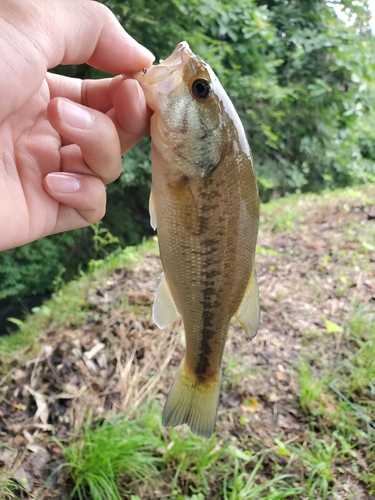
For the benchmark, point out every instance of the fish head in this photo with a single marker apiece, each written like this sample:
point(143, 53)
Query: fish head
point(190, 122)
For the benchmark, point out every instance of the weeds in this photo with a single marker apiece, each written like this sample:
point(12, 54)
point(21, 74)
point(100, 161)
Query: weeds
point(319, 458)
point(104, 453)
point(240, 485)
point(312, 392)
point(9, 488)
point(191, 458)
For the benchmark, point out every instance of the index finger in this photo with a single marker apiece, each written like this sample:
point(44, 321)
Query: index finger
point(95, 94)
point(121, 99)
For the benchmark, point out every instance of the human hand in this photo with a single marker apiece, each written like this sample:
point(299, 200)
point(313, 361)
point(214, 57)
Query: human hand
point(61, 139)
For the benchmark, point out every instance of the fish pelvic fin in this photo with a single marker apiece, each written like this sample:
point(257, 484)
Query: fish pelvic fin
point(249, 311)
point(152, 210)
point(192, 402)
point(164, 311)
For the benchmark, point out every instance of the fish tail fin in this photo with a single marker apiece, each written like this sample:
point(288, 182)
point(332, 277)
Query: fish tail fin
point(192, 402)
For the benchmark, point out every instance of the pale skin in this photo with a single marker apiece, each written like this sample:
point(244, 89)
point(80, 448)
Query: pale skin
point(61, 139)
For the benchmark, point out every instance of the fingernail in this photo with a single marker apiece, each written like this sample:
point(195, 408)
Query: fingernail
point(75, 115)
point(146, 52)
point(63, 182)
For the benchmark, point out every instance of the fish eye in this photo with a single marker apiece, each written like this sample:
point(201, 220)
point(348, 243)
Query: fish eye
point(201, 88)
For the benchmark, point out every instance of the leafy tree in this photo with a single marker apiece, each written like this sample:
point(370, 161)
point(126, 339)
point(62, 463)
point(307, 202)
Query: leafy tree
point(300, 77)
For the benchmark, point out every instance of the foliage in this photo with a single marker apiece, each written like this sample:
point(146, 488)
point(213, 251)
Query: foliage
point(39, 267)
point(300, 77)
point(35, 268)
point(20, 266)
point(127, 214)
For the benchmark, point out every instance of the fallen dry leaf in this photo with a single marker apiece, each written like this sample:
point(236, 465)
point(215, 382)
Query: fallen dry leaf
point(287, 422)
point(42, 412)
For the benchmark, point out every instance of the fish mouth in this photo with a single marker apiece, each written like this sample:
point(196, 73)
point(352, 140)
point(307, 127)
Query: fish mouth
point(179, 56)
point(164, 77)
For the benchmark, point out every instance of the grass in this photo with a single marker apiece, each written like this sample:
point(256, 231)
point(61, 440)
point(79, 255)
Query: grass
point(114, 458)
point(315, 397)
point(191, 458)
point(362, 361)
point(9, 488)
point(106, 453)
point(318, 457)
point(243, 486)
point(104, 461)
point(283, 214)
point(353, 423)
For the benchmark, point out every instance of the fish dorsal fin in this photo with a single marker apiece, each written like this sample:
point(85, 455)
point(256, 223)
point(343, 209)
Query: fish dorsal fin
point(164, 311)
point(152, 210)
point(248, 312)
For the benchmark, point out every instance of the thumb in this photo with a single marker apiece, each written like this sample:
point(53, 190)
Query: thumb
point(91, 33)
point(36, 35)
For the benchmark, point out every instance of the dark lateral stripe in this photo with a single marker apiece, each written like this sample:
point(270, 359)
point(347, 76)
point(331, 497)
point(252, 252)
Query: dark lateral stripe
point(208, 331)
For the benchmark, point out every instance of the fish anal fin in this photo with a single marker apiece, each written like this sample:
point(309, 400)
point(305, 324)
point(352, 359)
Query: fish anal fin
point(152, 210)
point(193, 403)
point(249, 311)
point(164, 311)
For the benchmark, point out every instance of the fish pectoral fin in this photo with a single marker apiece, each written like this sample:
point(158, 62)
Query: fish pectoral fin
point(249, 311)
point(164, 311)
point(152, 210)
point(193, 403)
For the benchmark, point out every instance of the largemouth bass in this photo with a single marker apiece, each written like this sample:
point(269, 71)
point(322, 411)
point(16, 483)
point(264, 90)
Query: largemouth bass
point(204, 202)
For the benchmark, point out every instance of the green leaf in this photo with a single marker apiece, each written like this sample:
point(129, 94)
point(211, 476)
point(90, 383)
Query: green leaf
point(281, 448)
point(16, 321)
point(332, 327)
point(368, 246)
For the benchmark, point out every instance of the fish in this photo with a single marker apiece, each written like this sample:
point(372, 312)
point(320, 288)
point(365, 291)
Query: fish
point(204, 204)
